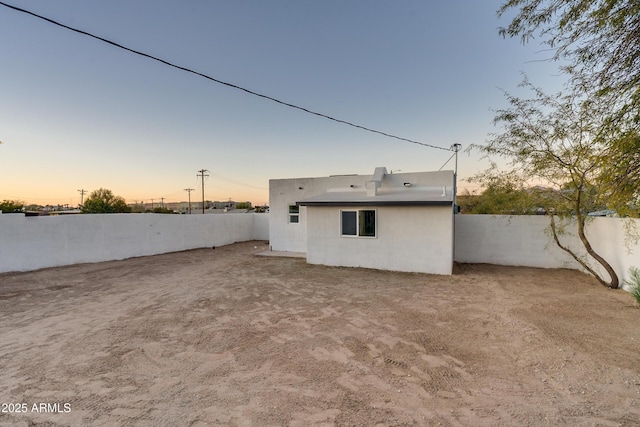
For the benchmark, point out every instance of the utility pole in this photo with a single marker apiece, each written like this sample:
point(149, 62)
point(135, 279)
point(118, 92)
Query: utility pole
point(82, 192)
point(455, 147)
point(189, 190)
point(162, 202)
point(202, 175)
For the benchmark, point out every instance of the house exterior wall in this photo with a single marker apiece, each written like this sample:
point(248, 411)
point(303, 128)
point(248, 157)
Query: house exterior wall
point(283, 235)
point(409, 238)
point(284, 192)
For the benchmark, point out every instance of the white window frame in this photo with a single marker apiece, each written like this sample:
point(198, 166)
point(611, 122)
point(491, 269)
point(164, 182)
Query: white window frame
point(358, 235)
point(295, 214)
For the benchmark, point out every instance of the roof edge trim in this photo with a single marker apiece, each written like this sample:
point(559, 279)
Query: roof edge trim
point(380, 203)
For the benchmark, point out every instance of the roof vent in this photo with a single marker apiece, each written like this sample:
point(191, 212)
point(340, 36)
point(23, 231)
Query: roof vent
point(372, 188)
point(376, 181)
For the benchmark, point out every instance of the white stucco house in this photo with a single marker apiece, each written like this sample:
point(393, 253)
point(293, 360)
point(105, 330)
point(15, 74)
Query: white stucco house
point(400, 222)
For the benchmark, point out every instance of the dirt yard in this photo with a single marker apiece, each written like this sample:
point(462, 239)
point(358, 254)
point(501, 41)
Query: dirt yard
point(226, 337)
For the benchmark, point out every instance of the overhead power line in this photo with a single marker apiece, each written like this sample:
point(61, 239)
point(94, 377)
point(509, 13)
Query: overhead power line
point(188, 70)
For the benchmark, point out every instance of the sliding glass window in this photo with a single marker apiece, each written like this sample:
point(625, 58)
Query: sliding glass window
point(358, 223)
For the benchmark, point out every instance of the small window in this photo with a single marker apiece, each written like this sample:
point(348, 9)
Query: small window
point(367, 223)
point(294, 214)
point(349, 223)
point(358, 223)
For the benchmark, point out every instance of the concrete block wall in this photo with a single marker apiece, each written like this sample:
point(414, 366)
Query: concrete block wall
point(526, 241)
point(29, 243)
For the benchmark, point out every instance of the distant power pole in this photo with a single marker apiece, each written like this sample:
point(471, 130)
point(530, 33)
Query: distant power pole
point(202, 175)
point(189, 190)
point(82, 192)
point(162, 202)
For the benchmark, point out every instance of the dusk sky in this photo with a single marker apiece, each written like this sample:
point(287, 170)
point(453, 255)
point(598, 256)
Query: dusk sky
point(77, 113)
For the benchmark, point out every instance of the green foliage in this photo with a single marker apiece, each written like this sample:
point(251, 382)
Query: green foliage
point(565, 143)
point(621, 174)
point(504, 194)
point(11, 206)
point(104, 201)
point(599, 39)
point(585, 144)
point(634, 283)
point(243, 205)
point(562, 142)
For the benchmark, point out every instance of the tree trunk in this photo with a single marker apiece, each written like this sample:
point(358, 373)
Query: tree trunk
point(614, 284)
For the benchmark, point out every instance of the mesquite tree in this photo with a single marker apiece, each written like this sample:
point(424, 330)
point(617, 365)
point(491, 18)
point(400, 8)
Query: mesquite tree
point(565, 143)
point(598, 39)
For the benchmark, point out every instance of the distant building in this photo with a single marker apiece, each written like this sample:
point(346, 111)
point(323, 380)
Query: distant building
point(196, 206)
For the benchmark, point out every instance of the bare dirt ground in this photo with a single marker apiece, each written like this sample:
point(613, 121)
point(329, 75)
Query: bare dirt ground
point(225, 337)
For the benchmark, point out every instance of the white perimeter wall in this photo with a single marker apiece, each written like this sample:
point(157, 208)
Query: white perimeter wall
point(526, 241)
point(412, 238)
point(29, 243)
